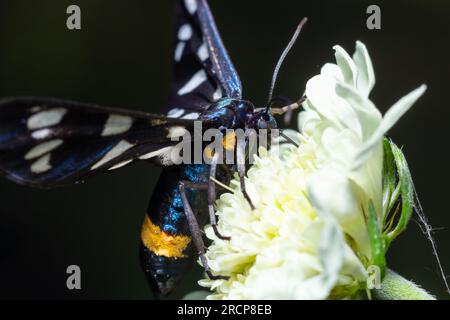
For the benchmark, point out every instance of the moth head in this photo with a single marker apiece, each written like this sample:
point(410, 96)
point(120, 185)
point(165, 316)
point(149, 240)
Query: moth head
point(263, 119)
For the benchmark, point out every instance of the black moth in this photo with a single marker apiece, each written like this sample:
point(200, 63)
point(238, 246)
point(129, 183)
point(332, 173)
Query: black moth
point(46, 142)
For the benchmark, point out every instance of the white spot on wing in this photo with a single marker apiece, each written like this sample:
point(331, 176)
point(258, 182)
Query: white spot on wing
point(166, 158)
point(185, 32)
point(118, 149)
point(191, 5)
point(176, 132)
point(175, 113)
point(217, 94)
point(117, 124)
point(36, 109)
point(120, 164)
point(46, 118)
point(43, 148)
point(196, 80)
point(179, 51)
point(165, 150)
point(41, 133)
point(41, 165)
point(191, 116)
point(202, 52)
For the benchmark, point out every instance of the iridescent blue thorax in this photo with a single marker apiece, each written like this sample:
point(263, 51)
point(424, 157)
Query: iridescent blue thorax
point(232, 113)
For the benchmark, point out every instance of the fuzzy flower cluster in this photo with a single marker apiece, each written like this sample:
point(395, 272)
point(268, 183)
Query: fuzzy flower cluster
point(307, 237)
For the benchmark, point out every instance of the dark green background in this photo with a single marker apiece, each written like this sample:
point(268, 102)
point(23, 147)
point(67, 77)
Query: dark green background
point(122, 57)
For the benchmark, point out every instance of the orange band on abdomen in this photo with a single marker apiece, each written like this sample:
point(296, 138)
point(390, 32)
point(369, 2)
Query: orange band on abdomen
point(162, 243)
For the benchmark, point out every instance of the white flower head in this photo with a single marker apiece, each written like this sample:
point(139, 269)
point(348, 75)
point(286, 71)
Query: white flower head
point(307, 237)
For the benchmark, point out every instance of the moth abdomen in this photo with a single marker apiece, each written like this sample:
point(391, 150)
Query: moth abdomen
point(167, 250)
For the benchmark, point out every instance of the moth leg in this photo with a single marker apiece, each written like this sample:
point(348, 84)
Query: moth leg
point(240, 159)
point(212, 196)
point(288, 110)
point(194, 227)
point(288, 139)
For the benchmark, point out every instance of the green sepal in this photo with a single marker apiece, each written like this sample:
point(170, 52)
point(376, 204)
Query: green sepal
point(405, 190)
point(377, 240)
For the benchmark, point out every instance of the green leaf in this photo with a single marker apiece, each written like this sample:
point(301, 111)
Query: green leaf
point(406, 193)
point(376, 240)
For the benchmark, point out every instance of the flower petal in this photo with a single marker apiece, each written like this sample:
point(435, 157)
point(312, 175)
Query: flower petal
point(196, 295)
point(348, 67)
point(331, 192)
point(332, 70)
point(366, 76)
point(368, 115)
point(389, 119)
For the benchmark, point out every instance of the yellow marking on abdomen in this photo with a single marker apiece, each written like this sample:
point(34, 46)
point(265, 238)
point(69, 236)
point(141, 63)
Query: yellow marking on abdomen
point(161, 243)
point(229, 141)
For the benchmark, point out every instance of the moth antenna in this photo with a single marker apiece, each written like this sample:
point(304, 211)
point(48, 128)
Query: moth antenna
point(281, 59)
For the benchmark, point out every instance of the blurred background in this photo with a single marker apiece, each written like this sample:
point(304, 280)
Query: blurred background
point(122, 57)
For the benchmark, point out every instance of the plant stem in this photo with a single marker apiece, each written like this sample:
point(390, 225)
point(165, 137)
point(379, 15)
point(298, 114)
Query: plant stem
point(395, 287)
